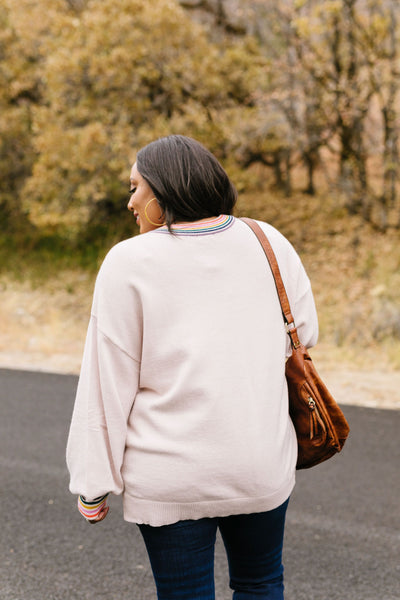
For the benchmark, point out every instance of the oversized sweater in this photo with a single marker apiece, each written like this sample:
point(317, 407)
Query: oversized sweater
point(182, 402)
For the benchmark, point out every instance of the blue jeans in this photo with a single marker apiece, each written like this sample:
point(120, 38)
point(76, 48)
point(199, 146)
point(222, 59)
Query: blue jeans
point(182, 556)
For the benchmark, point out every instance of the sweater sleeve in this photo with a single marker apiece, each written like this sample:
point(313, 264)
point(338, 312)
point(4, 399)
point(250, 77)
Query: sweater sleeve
point(304, 311)
point(108, 383)
point(298, 288)
point(91, 510)
point(105, 395)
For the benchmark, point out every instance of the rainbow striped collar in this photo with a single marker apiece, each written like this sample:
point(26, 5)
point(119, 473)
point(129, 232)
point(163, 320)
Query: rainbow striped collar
point(202, 227)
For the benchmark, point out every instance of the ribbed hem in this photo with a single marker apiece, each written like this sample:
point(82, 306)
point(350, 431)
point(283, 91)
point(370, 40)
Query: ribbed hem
point(91, 510)
point(156, 514)
point(202, 227)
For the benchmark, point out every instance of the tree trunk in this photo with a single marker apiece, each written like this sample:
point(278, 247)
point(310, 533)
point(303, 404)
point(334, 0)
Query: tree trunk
point(388, 198)
point(352, 111)
point(311, 160)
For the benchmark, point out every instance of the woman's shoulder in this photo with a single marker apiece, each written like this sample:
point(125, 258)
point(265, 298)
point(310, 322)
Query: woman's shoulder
point(278, 241)
point(287, 256)
point(135, 245)
point(127, 255)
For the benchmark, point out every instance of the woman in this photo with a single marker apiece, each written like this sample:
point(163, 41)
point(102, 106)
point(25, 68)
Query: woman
point(182, 401)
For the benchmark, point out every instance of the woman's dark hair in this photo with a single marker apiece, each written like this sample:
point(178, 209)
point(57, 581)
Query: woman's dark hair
point(187, 180)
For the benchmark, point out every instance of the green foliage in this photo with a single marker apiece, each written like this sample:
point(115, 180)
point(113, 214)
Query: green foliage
point(85, 83)
point(116, 76)
point(14, 121)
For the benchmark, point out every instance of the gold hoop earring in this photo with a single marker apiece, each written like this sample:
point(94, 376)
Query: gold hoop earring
point(147, 216)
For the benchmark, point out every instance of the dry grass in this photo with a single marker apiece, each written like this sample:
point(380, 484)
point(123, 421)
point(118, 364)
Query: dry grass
point(44, 326)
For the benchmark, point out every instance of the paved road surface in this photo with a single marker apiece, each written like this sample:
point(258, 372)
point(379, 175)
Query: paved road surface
point(342, 535)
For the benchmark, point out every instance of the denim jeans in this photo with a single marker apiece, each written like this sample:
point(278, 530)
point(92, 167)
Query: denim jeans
point(182, 556)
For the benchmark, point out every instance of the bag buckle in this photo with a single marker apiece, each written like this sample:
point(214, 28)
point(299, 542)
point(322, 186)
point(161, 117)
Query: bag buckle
point(290, 329)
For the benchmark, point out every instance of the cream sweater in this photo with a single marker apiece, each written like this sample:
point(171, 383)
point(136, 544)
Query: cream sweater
point(182, 402)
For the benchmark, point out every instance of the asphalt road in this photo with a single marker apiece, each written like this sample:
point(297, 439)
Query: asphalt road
point(342, 536)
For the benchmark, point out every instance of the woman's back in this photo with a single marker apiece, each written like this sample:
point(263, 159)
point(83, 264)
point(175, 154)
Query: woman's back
point(198, 309)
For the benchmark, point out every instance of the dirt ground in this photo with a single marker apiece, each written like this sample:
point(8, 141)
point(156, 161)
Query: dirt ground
point(43, 329)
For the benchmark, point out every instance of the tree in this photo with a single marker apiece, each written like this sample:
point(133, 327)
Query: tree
point(24, 28)
point(18, 90)
point(117, 74)
point(380, 45)
point(346, 58)
point(332, 62)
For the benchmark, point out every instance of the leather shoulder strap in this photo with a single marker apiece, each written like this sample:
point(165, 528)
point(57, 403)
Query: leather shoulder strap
point(280, 287)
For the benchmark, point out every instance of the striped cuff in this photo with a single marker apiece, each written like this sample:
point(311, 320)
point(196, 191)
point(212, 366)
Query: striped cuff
point(91, 510)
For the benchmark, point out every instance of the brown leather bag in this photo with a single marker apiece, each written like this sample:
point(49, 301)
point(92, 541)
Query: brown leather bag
point(320, 425)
